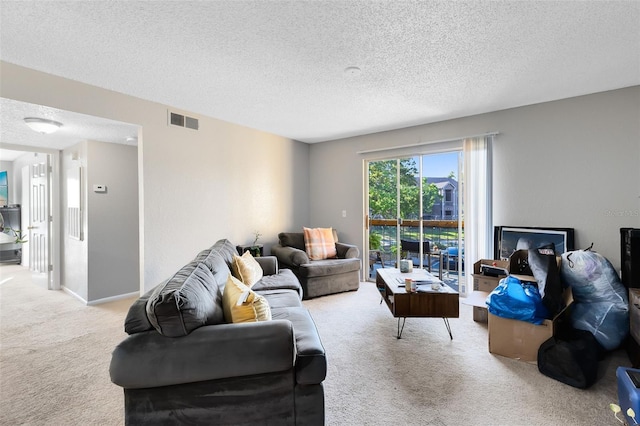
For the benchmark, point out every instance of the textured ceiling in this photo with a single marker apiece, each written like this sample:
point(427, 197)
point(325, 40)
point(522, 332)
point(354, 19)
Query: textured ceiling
point(278, 66)
point(75, 128)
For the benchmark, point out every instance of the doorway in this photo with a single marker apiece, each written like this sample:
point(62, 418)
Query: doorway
point(415, 212)
point(32, 183)
point(76, 128)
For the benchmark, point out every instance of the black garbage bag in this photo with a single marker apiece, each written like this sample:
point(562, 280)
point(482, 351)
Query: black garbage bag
point(571, 359)
point(544, 267)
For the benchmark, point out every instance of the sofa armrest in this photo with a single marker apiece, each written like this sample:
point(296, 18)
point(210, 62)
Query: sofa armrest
point(290, 256)
point(269, 264)
point(347, 251)
point(147, 360)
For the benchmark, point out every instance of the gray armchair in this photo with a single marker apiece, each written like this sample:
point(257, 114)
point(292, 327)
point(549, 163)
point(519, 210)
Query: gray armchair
point(319, 277)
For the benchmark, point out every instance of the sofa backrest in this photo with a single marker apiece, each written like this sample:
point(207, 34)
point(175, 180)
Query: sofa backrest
point(296, 239)
point(197, 286)
point(292, 239)
point(187, 301)
point(218, 259)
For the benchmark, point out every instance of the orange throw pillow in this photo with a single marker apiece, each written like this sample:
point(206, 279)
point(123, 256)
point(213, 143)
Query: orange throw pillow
point(319, 243)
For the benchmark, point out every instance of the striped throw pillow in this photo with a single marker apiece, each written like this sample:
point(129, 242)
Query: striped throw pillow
point(319, 243)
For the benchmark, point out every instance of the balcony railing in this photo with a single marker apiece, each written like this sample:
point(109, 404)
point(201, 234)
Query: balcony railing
point(441, 234)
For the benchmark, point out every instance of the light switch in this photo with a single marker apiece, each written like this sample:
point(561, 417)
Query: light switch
point(344, 213)
point(99, 188)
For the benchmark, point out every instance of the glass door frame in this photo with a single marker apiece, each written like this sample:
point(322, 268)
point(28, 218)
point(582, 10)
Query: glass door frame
point(421, 219)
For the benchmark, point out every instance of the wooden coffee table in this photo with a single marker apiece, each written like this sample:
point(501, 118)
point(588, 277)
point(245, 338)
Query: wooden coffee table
point(425, 303)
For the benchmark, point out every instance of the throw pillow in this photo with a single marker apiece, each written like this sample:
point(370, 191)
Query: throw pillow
point(241, 304)
point(186, 301)
point(246, 269)
point(319, 243)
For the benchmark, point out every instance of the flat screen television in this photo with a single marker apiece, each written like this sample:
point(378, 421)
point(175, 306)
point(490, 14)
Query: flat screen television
point(4, 188)
point(508, 239)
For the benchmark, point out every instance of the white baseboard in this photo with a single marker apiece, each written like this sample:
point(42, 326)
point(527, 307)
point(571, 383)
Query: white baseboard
point(74, 294)
point(103, 300)
point(113, 298)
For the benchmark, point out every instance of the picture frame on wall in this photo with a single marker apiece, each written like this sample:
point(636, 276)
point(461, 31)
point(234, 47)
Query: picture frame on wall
point(508, 239)
point(4, 188)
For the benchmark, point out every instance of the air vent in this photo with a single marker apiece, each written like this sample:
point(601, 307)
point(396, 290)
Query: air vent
point(183, 121)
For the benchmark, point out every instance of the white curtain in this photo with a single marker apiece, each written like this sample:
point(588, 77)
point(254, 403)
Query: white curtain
point(478, 219)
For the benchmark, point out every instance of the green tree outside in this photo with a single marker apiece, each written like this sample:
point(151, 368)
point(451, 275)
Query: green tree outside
point(382, 190)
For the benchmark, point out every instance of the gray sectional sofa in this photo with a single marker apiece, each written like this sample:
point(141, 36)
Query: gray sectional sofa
point(183, 364)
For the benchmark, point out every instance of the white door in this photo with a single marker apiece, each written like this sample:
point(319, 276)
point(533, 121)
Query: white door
point(24, 212)
point(39, 217)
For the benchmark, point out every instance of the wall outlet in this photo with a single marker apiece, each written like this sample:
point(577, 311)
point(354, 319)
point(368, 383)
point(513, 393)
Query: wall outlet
point(99, 188)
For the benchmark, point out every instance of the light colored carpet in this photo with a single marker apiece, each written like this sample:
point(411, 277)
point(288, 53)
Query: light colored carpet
point(55, 354)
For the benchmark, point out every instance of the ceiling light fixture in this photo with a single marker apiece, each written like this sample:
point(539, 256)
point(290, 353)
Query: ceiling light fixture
point(352, 71)
point(42, 125)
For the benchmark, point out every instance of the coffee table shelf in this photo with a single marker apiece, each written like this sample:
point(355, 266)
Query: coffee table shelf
point(425, 303)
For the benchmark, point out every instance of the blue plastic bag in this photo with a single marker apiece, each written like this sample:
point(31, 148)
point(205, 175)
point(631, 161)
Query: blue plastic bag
point(519, 300)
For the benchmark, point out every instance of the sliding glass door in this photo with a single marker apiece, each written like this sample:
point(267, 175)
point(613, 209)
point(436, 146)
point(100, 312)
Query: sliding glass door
point(383, 213)
point(415, 212)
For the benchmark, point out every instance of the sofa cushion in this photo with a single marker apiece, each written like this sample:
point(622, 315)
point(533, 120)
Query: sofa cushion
point(186, 301)
point(319, 243)
point(322, 268)
point(241, 304)
point(281, 298)
point(246, 269)
point(284, 279)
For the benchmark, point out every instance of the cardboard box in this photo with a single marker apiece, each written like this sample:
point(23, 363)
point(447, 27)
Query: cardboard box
point(477, 299)
point(483, 282)
point(521, 339)
point(482, 286)
point(480, 314)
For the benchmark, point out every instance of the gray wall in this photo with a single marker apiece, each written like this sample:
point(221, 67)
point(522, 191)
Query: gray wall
point(112, 219)
point(195, 187)
point(105, 262)
point(570, 163)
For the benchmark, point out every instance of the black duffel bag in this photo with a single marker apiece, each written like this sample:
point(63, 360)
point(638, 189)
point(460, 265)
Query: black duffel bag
point(571, 358)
